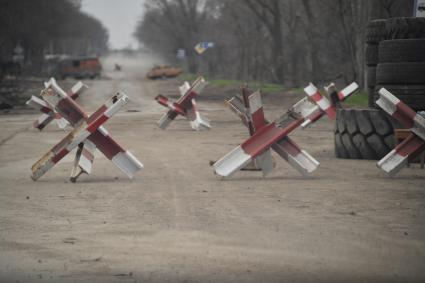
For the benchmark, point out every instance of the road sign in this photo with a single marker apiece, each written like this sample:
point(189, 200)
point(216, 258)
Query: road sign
point(202, 46)
point(181, 54)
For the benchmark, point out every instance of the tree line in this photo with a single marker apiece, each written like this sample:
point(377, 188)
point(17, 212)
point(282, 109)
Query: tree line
point(41, 27)
point(289, 42)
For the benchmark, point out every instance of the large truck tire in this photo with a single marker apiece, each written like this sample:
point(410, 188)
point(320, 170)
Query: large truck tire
point(401, 73)
point(401, 50)
point(363, 134)
point(371, 97)
point(401, 59)
point(375, 31)
point(371, 77)
point(404, 28)
point(371, 55)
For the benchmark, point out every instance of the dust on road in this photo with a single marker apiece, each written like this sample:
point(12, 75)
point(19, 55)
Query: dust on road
point(178, 222)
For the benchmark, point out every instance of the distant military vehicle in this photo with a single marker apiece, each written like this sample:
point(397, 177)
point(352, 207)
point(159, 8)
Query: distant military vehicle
point(79, 67)
point(163, 71)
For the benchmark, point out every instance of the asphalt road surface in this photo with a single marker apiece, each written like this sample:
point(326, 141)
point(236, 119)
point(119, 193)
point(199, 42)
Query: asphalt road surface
point(178, 222)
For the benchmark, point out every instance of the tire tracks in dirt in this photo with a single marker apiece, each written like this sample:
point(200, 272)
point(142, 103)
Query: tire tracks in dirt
point(14, 134)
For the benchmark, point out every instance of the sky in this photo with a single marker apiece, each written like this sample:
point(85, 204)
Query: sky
point(119, 17)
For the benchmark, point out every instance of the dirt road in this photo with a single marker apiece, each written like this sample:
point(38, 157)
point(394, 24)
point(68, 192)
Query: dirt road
point(178, 222)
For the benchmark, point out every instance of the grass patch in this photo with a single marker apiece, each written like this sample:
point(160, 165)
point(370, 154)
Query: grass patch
point(358, 99)
point(187, 77)
point(254, 85)
point(268, 87)
point(225, 83)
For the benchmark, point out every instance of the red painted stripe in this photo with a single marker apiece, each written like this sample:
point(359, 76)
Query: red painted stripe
point(317, 96)
point(290, 146)
point(63, 143)
point(73, 96)
point(87, 154)
point(258, 119)
point(38, 126)
point(108, 146)
point(180, 109)
point(186, 101)
point(177, 107)
point(71, 111)
point(162, 100)
point(279, 150)
point(171, 114)
point(286, 147)
point(46, 110)
point(411, 145)
point(331, 111)
point(59, 155)
point(404, 114)
point(267, 136)
point(97, 114)
point(418, 151)
point(406, 109)
point(316, 115)
point(97, 123)
point(43, 124)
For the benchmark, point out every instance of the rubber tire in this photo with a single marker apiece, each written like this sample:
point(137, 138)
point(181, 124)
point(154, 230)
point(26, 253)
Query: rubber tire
point(371, 55)
point(404, 28)
point(401, 73)
point(371, 77)
point(401, 50)
point(412, 95)
point(371, 97)
point(363, 134)
point(375, 31)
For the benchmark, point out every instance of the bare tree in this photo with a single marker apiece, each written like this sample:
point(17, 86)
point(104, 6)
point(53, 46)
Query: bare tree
point(285, 41)
point(54, 23)
point(178, 21)
point(270, 14)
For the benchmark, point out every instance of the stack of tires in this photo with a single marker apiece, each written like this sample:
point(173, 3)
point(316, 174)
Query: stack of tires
point(395, 59)
point(401, 61)
point(375, 33)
